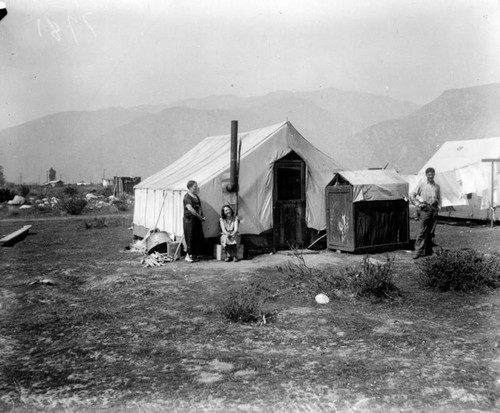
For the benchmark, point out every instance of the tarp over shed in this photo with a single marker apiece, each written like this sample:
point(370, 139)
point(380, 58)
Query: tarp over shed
point(158, 199)
point(375, 184)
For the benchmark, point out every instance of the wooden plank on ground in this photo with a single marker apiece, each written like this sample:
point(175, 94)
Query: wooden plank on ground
point(12, 236)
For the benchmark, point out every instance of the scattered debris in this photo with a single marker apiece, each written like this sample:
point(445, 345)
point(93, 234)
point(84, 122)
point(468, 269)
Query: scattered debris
point(156, 259)
point(138, 246)
point(17, 200)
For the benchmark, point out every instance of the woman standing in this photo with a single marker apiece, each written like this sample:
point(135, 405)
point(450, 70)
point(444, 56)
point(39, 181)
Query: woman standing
point(193, 217)
point(230, 238)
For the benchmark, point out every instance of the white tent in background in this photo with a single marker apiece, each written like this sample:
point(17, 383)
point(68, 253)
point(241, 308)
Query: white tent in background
point(158, 199)
point(464, 178)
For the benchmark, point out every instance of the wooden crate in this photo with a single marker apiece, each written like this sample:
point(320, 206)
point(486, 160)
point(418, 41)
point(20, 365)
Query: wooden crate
point(220, 253)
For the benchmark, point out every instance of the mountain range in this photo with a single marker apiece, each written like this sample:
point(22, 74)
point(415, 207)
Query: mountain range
point(358, 130)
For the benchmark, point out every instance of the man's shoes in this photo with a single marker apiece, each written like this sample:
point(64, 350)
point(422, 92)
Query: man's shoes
point(188, 258)
point(227, 259)
point(235, 259)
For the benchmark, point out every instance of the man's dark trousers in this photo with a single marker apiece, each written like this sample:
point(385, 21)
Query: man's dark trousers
point(423, 243)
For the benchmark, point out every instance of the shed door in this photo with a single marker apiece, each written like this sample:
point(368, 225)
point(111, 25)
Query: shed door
point(339, 216)
point(289, 203)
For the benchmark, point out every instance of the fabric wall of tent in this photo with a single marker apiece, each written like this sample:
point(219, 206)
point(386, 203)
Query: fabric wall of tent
point(465, 180)
point(281, 179)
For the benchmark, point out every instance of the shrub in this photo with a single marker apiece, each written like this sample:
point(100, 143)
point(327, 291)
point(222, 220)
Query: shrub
point(73, 205)
point(368, 280)
point(121, 204)
point(23, 190)
point(13, 212)
point(464, 270)
point(314, 280)
point(296, 269)
point(246, 305)
point(97, 223)
point(105, 191)
point(6, 194)
point(70, 191)
point(373, 279)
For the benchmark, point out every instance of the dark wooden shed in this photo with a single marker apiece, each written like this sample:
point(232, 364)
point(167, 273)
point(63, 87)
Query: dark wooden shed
point(125, 184)
point(367, 210)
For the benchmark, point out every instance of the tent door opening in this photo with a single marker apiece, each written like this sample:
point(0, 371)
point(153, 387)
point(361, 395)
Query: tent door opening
point(289, 203)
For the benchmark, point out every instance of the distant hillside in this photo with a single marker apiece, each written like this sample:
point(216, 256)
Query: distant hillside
point(358, 130)
point(142, 140)
point(407, 143)
point(61, 141)
point(150, 143)
point(362, 109)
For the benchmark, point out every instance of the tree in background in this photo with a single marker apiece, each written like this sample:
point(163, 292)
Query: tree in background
point(52, 174)
point(2, 176)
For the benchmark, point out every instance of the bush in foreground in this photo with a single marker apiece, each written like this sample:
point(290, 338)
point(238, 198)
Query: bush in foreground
point(314, 280)
point(246, 305)
point(374, 279)
point(370, 279)
point(464, 270)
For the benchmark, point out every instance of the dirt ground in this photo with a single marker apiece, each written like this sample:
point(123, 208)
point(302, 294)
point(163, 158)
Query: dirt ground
point(85, 327)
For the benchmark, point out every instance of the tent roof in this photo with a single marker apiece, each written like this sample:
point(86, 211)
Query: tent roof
point(375, 184)
point(208, 163)
point(458, 154)
point(208, 159)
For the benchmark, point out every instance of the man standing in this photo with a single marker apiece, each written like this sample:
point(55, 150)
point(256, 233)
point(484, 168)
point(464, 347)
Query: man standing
point(193, 217)
point(427, 198)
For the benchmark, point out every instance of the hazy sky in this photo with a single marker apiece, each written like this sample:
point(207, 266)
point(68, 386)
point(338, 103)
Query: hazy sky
point(58, 55)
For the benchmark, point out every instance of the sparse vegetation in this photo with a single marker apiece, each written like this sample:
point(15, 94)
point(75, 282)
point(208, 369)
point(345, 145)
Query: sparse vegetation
point(70, 199)
point(122, 203)
point(370, 279)
point(373, 279)
point(6, 194)
point(246, 304)
point(112, 335)
point(70, 191)
point(465, 270)
point(105, 191)
point(2, 176)
point(23, 190)
point(73, 205)
point(95, 223)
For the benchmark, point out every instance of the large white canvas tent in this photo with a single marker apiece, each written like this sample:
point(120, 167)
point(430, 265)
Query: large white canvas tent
point(465, 179)
point(158, 199)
